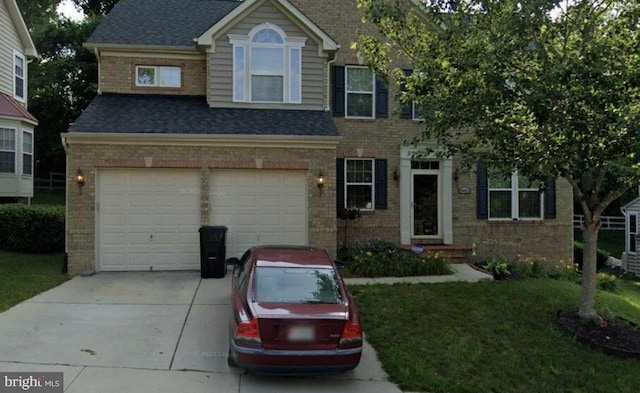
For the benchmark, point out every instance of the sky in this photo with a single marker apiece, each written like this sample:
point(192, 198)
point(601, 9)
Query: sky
point(67, 8)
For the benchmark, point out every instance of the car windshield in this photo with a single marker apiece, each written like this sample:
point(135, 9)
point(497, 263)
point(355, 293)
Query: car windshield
point(296, 285)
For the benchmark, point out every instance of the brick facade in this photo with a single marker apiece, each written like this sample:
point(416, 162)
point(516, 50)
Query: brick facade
point(117, 74)
point(81, 214)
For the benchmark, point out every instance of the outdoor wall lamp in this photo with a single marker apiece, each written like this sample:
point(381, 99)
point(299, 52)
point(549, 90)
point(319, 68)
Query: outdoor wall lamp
point(79, 178)
point(396, 175)
point(320, 181)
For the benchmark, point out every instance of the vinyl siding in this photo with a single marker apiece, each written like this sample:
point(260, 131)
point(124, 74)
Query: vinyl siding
point(9, 41)
point(220, 70)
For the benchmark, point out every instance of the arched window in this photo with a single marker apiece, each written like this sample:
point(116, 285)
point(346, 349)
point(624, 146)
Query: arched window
point(267, 66)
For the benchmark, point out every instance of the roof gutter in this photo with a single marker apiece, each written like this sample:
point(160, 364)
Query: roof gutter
point(210, 140)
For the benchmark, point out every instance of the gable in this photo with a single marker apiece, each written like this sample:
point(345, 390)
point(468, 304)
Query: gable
point(254, 12)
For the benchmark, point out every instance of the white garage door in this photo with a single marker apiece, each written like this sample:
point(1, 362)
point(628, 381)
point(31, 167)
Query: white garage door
point(148, 219)
point(259, 207)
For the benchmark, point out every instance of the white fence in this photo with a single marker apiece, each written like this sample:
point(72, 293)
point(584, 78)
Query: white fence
point(609, 223)
point(56, 181)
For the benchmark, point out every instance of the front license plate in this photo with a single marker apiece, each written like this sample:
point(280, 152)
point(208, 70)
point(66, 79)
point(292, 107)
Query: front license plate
point(301, 333)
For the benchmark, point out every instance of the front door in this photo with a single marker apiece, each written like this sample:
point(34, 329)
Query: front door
point(425, 204)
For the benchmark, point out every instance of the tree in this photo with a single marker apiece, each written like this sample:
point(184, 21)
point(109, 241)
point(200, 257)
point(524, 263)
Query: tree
point(39, 12)
point(95, 7)
point(547, 88)
point(61, 85)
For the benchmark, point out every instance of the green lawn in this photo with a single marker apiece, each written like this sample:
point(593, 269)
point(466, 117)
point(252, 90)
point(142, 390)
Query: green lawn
point(492, 337)
point(23, 276)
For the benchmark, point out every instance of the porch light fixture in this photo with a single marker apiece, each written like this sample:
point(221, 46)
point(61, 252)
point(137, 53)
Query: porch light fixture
point(396, 175)
point(320, 181)
point(79, 178)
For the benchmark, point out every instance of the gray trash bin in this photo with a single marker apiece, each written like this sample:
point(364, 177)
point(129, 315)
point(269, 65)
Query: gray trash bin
point(213, 251)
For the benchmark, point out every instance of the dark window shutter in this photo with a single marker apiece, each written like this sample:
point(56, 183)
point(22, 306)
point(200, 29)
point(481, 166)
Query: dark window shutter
point(381, 184)
point(337, 99)
point(340, 184)
point(550, 198)
point(482, 191)
point(382, 100)
point(407, 110)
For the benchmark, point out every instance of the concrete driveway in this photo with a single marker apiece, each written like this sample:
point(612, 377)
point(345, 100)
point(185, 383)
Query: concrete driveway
point(147, 332)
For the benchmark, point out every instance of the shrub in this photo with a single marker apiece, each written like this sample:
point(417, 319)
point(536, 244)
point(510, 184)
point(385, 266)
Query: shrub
point(379, 258)
point(601, 257)
point(607, 282)
point(35, 229)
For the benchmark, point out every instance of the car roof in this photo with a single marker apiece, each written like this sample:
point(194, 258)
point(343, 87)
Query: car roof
point(291, 256)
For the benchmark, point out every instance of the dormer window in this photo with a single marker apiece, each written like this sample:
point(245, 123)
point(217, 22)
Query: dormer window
point(158, 76)
point(267, 66)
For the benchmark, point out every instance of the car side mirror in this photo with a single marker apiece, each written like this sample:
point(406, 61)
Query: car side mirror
point(234, 261)
point(340, 264)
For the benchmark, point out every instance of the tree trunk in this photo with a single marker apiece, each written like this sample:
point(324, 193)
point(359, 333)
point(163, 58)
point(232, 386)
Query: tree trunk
point(588, 295)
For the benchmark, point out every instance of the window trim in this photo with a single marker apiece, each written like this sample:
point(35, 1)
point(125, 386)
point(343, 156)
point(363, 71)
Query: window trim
point(241, 92)
point(14, 151)
point(632, 234)
point(372, 183)
point(24, 152)
point(158, 80)
point(19, 55)
point(415, 117)
point(347, 92)
point(515, 200)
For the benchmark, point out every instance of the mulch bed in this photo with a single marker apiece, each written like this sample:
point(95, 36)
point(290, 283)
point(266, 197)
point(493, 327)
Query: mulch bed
point(616, 337)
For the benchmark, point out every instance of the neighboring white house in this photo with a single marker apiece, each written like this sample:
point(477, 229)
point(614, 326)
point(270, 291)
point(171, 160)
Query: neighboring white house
point(631, 257)
point(16, 123)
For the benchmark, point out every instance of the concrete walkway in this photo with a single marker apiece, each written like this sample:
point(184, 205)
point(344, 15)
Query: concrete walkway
point(461, 272)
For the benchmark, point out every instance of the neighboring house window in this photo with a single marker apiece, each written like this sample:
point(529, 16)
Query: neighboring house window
point(360, 82)
point(158, 76)
point(357, 93)
point(27, 153)
point(267, 66)
point(513, 198)
point(361, 183)
point(633, 232)
point(7, 150)
point(19, 76)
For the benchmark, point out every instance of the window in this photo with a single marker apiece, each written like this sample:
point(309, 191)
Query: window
point(27, 153)
point(7, 150)
point(416, 111)
point(296, 285)
point(19, 73)
point(267, 66)
point(359, 184)
point(154, 76)
point(360, 84)
point(633, 232)
point(514, 198)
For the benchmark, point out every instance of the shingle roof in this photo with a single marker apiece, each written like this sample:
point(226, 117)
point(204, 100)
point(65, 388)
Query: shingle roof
point(160, 22)
point(161, 114)
point(10, 107)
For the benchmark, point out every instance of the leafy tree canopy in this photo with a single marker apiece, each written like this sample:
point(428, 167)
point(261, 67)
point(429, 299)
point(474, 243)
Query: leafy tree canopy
point(549, 87)
point(95, 7)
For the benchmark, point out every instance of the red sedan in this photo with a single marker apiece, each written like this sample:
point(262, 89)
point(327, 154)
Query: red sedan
point(291, 313)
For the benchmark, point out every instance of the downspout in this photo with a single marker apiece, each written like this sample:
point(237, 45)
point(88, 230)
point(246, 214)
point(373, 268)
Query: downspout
point(97, 53)
point(329, 63)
